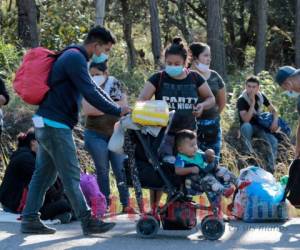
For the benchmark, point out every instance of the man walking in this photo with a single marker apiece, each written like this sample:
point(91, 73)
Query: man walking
point(54, 120)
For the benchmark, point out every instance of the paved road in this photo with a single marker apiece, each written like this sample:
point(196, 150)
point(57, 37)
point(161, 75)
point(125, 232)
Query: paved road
point(238, 235)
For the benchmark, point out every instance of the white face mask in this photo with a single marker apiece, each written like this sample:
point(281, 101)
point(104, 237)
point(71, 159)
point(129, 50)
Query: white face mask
point(203, 67)
point(99, 80)
point(291, 94)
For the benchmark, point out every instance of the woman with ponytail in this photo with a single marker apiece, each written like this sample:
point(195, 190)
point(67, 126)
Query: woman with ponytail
point(209, 129)
point(181, 88)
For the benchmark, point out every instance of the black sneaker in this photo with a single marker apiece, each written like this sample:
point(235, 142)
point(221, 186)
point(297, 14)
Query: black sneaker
point(96, 226)
point(35, 226)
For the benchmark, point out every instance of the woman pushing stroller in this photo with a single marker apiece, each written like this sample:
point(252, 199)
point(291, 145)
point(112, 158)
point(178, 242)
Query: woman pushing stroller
point(181, 89)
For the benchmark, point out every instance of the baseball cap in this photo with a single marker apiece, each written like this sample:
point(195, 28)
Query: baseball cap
point(284, 72)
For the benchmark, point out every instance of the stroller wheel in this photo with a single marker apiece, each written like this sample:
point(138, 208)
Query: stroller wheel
point(212, 228)
point(147, 227)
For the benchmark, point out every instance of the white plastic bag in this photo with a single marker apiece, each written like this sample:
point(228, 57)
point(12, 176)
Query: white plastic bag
point(116, 141)
point(256, 174)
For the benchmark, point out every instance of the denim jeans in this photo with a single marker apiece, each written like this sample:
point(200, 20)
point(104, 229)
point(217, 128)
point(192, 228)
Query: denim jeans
point(56, 155)
point(248, 131)
point(97, 145)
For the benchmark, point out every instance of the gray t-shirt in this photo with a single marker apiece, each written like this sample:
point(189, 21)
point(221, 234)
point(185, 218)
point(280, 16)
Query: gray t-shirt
point(215, 83)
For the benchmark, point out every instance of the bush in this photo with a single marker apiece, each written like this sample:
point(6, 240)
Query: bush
point(9, 59)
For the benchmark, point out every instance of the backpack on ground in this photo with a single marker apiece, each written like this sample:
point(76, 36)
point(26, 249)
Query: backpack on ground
point(292, 190)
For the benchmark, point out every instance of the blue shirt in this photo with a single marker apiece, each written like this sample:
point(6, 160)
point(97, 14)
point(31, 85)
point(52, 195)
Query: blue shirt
point(69, 80)
point(198, 160)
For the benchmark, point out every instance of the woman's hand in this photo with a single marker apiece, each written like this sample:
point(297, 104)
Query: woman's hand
point(198, 110)
point(125, 110)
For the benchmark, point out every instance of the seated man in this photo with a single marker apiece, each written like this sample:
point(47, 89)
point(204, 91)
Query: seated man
point(250, 105)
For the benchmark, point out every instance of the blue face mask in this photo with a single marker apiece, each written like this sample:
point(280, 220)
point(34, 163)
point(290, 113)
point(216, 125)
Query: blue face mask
point(174, 70)
point(100, 59)
point(291, 94)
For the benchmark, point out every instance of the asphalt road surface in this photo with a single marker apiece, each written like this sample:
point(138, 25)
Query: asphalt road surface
point(238, 235)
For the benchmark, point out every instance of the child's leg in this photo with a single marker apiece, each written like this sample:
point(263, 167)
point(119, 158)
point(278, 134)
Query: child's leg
point(192, 185)
point(227, 176)
point(210, 183)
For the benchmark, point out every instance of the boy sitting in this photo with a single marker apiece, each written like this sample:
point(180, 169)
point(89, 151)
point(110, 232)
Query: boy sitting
point(202, 171)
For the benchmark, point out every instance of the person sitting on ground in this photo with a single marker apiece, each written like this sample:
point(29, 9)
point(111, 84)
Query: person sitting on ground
point(249, 106)
point(13, 189)
point(98, 130)
point(203, 174)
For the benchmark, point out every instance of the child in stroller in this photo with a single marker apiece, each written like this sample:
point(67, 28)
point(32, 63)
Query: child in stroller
point(144, 169)
point(201, 170)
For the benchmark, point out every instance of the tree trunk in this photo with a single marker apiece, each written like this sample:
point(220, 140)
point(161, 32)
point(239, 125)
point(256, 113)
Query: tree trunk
point(215, 36)
point(179, 18)
point(1, 18)
point(100, 12)
point(27, 23)
point(127, 30)
point(183, 23)
point(261, 35)
point(297, 35)
point(155, 31)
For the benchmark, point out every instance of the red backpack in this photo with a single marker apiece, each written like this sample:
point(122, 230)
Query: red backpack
point(31, 81)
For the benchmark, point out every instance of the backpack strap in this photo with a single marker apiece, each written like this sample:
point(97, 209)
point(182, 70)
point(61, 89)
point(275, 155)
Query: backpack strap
point(59, 53)
point(161, 75)
point(188, 71)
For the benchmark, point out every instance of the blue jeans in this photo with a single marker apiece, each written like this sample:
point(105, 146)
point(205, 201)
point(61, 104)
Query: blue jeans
point(97, 145)
point(217, 144)
point(248, 131)
point(56, 155)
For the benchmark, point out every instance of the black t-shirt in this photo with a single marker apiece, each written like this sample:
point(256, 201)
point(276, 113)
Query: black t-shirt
point(242, 105)
point(181, 96)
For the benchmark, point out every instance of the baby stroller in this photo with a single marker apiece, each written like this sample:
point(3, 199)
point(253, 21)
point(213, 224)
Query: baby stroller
point(144, 169)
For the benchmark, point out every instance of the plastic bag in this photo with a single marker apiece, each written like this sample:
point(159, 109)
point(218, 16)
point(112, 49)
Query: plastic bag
point(94, 197)
point(268, 192)
point(116, 141)
point(151, 113)
point(256, 174)
point(261, 200)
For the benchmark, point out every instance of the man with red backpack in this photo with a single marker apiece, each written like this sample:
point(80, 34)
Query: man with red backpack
point(55, 118)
